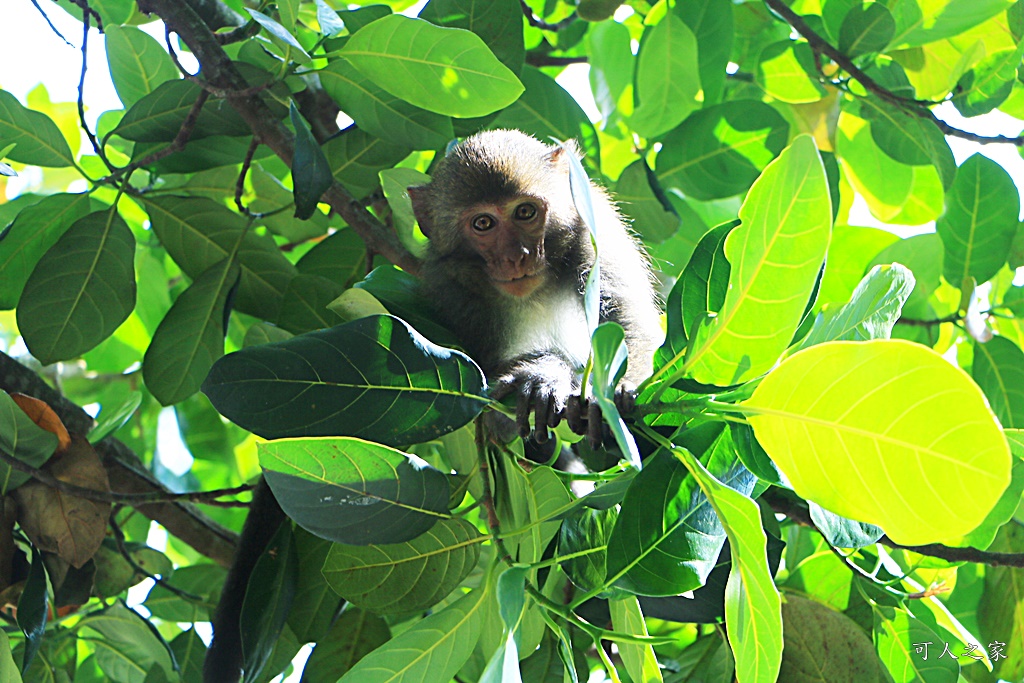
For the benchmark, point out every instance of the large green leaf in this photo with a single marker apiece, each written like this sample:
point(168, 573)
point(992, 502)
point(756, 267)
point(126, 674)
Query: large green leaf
point(640, 660)
point(81, 290)
point(311, 174)
point(199, 233)
point(999, 371)
point(980, 221)
point(547, 111)
point(497, 22)
point(651, 217)
point(382, 114)
point(353, 491)
point(712, 24)
point(191, 336)
point(356, 157)
point(131, 647)
point(939, 19)
point(667, 77)
point(608, 349)
point(400, 578)
point(885, 432)
point(786, 71)
point(138, 64)
point(23, 439)
point(776, 254)
point(157, 116)
point(445, 70)
point(989, 83)
point(611, 67)
point(305, 305)
point(34, 231)
point(375, 378)
point(432, 651)
point(866, 28)
point(354, 635)
point(666, 541)
point(37, 137)
point(718, 152)
point(884, 183)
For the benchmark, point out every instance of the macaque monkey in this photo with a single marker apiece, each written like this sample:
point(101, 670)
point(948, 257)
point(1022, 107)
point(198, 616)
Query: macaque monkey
point(507, 265)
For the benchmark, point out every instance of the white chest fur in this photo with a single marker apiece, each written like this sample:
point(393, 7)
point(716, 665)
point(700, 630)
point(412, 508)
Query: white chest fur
point(548, 324)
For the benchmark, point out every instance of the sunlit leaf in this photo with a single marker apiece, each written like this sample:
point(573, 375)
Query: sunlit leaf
point(667, 77)
point(37, 137)
point(138, 64)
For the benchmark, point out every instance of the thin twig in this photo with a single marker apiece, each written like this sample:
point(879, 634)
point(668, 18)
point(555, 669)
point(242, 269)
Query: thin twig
point(97, 147)
point(536, 22)
point(237, 35)
point(139, 569)
point(240, 183)
point(952, 318)
point(50, 23)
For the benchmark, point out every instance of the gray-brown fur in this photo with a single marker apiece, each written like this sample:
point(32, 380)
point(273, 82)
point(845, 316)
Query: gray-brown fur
point(533, 344)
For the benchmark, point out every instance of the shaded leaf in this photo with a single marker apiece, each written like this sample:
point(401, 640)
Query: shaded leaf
point(354, 635)
point(268, 599)
point(311, 174)
point(999, 371)
point(157, 116)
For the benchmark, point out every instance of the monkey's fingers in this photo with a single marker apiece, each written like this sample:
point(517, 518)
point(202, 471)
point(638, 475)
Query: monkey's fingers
point(574, 414)
point(594, 425)
point(523, 403)
point(625, 399)
point(543, 402)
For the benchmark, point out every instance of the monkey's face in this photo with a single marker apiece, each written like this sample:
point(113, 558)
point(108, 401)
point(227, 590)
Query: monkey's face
point(509, 236)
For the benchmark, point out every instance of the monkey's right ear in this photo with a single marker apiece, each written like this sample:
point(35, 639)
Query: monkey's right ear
point(420, 194)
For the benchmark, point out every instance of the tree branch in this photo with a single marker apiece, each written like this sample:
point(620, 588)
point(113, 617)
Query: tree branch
point(536, 22)
point(540, 59)
point(220, 72)
point(124, 469)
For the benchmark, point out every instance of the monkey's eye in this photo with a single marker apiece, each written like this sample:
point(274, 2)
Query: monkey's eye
point(525, 212)
point(483, 223)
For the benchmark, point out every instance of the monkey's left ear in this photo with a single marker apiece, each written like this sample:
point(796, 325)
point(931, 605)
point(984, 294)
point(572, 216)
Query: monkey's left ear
point(555, 155)
point(420, 194)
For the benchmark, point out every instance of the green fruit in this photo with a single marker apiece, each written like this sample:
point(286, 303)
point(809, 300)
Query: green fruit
point(596, 10)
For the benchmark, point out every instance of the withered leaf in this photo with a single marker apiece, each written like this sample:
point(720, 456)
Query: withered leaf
point(42, 414)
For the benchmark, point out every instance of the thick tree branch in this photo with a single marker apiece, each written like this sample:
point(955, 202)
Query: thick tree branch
point(912, 106)
point(220, 72)
point(126, 473)
point(799, 513)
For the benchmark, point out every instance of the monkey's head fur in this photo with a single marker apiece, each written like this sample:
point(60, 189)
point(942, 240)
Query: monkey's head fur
point(499, 213)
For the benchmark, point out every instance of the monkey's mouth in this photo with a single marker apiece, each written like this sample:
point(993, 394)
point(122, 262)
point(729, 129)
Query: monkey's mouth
point(521, 286)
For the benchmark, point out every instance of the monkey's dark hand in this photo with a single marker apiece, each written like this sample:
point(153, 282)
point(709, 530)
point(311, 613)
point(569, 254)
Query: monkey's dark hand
point(584, 417)
point(541, 385)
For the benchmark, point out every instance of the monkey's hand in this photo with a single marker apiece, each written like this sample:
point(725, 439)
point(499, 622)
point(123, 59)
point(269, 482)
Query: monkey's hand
point(584, 417)
point(542, 385)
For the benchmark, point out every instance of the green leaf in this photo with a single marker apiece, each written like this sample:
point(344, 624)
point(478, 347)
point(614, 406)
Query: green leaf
point(268, 599)
point(447, 71)
point(999, 371)
point(191, 336)
point(111, 419)
point(432, 651)
point(33, 608)
point(873, 309)
point(35, 229)
point(667, 77)
point(585, 533)
point(897, 638)
point(939, 19)
point(640, 661)
point(718, 152)
point(497, 22)
point(909, 139)
point(864, 430)
point(340, 257)
point(316, 605)
point(666, 541)
point(382, 114)
point(374, 378)
point(401, 293)
point(39, 141)
point(922, 254)
point(984, 534)
point(138, 64)
point(199, 233)
point(752, 605)
point(547, 111)
point(866, 28)
point(608, 346)
point(306, 305)
point(356, 157)
point(157, 116)
point(988, 84)
point(406, 577)
point(776, 254)
point(980, 221)
point(311, 174)
point(611, 66)
point(81, 290)
point(786, 71)
point(712, 23)
point(647, 208)
point(884, 183)
point(353, 491)
point(280, 35)
point(814, 632)
point(330, 23)
point(131, 647)
point(395, 183)
point(354, 635)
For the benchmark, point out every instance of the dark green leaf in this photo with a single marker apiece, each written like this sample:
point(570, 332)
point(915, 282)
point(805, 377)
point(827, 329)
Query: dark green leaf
point(191, 336)
point(720, 151)
point(586, 531)
point(189, 652)
point(711, 22)
point(311, 174)
point(497, 22)
point(841, 532)
point(980, 221)
point(39, 141)
point(380, 113)
point(651, 218)
point(353, 491)
point(400, 293)
point(33, 606)
point(356, 157)
point(356, 634)
point(399, 578)
point(200, 155)
point(305, 304)
point(129, 642)
point(988, 83)
point(922, 254)
point(280, 35)
point(268, 598)
point(357, 18)
point(447, 71)
point(340, 257)
point(375, 378)
point(999, 371)
point(81, 290)
point(315, 605)
point(35, 229)
point(157, 116)
point(138, 64)
point(866, 28)
point(199, 233)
